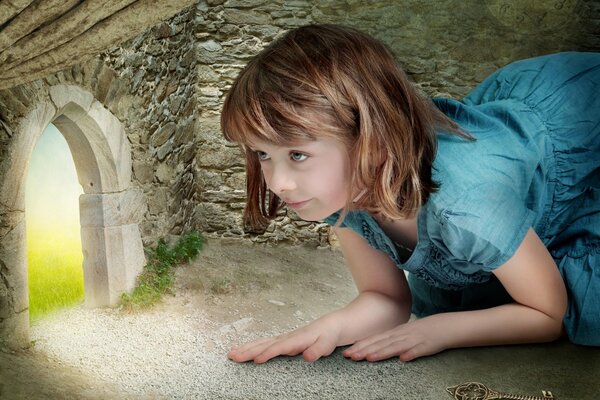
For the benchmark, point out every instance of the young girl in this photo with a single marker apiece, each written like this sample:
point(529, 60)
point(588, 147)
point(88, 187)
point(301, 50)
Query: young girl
point(497, 196)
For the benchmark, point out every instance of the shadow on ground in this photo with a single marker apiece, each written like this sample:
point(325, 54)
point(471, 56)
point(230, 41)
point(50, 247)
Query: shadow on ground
point(30, 375)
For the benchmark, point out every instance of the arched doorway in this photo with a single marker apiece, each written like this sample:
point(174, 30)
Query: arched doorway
point(110, 207)
point(54, 257)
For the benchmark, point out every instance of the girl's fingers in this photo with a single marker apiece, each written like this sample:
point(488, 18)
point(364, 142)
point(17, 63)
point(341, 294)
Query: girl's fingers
point(387, 350)
point(263, 350)
point(307, 340)
point(373, 351)
point(379, 348)
point(320, 348)
point(290, 347)
point(411, 354)
point(252, 344)
point(250, 350)
point(362, 345)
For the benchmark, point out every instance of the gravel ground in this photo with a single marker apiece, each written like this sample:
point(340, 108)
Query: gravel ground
point(154, 354)
point(177, 349)
point(158, 355)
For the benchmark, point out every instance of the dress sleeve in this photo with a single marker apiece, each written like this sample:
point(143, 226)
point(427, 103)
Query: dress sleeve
point(486, 226)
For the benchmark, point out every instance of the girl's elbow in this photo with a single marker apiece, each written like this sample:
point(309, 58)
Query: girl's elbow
point(555, 331)
point(554, 328)
point(555, 323)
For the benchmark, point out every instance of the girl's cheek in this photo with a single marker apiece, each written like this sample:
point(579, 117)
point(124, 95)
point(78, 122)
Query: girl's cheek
point(266, 174)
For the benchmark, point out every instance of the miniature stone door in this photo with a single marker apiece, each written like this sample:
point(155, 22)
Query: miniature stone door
point(110, 207)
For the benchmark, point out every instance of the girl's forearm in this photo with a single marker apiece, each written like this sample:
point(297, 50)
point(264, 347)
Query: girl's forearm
point(506, 324)
point(368, 314)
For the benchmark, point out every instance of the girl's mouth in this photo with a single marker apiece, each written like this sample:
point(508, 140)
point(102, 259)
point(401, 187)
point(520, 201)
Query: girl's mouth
point(297, 205)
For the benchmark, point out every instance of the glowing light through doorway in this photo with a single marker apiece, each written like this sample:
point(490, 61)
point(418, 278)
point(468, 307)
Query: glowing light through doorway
point(53, 231)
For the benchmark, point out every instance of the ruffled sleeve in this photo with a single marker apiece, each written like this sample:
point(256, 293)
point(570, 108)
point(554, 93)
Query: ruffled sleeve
point(484, 228)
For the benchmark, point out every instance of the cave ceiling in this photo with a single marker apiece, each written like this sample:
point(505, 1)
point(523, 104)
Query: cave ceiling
point(41, 37)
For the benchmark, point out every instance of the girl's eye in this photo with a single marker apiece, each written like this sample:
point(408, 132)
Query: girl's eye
point(298, 156)
point(262, 156)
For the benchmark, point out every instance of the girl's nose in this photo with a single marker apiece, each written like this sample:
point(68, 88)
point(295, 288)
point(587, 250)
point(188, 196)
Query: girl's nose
point(280, 181)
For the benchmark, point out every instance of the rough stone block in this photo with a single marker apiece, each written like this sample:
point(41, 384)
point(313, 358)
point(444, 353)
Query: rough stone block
point(163, 134)
point(105, 78)
point(164, 173)
point(111, 209)
point(188, 153)
point(165, 150)
point(133, 256)
point(112, 259)
point(12, 185)
point(158, 201)
point(14, 301)
point(95, 267)
point(208, 156)
point(112, 133)
point(143, 171)
point(62, 95)
point(185, 132)
point(211, 45)
point(14, 331)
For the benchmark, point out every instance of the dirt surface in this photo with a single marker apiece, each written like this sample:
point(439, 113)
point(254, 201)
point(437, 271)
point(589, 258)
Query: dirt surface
point(31, 375)
point(277, 287)
point(235, 292)
point(242, 288)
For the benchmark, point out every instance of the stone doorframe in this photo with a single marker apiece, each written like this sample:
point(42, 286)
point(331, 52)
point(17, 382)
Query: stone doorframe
point(110, 207)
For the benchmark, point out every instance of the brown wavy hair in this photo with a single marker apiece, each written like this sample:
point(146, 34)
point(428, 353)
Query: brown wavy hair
point(331, 80)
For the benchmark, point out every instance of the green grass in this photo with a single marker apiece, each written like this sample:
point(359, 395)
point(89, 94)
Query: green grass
point(54, 263)
point(157, 276)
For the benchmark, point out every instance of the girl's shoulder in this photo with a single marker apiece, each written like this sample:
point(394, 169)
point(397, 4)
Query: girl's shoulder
point(483, 225)
point(509, 144)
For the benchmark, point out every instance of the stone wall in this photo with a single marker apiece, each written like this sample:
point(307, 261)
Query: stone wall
point(160, 67)
point(447, 47)
point(167, 86)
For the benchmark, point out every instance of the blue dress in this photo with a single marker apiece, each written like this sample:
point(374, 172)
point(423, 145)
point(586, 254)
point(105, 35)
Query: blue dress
point(535, 163)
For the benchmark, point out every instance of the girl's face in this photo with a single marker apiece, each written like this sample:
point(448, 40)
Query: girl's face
point(311, 178)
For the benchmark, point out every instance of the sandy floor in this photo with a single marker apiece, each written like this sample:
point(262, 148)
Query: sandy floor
point(231, 293)
point(235, 292)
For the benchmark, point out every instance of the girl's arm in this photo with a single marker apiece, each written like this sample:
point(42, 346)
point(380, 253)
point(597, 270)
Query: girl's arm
point(382, 303)
point(380, 283)
point(530, 277)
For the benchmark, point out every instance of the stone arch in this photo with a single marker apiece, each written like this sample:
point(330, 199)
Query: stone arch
point(110, 207)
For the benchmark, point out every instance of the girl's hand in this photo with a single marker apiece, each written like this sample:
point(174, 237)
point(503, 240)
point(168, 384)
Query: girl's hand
point(408, 341)
point(314, 341)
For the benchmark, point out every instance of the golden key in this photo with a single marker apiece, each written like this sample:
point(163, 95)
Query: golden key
point(478, 391)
